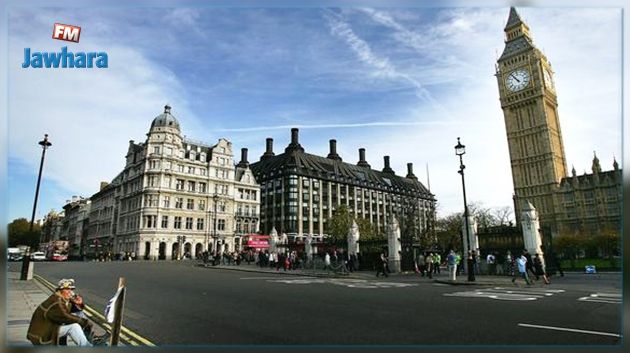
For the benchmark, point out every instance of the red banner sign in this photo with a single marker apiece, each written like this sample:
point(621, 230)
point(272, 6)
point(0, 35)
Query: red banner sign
point(257, 243)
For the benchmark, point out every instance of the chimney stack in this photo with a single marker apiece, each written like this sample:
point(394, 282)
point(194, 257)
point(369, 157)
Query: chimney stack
point(362, 161)
point(333, 151)
point(410, 174)
point(387, 169)
point(243, 163)
point(269, 152)
point(295, 141)
point(295, 136)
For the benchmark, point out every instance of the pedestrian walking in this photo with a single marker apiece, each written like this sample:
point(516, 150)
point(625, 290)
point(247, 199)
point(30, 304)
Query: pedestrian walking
point(451, 261)
point(491, 262)
point(429, 263)
point(327, 262)
point(521, 263)
point(539, 268)
point(500, 263)
point(383, 267)
point(509, 263)
point(421, 261)
point(437, 261)
point(530, 264)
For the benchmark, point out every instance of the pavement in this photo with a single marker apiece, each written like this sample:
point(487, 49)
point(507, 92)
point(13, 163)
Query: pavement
point(23, 297)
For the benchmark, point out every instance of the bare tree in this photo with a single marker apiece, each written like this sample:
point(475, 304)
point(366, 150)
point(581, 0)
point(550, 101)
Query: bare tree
point(503, 215)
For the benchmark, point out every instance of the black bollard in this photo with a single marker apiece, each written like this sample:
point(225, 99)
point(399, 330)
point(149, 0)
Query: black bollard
point(26, 263)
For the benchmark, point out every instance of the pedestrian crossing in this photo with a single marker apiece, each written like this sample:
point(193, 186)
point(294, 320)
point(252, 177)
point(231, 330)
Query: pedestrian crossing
point(503, 293)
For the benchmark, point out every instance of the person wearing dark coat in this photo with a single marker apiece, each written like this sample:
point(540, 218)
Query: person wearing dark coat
point(539, 269)
point(471, 262)
point(529, 267)
point(52, 319)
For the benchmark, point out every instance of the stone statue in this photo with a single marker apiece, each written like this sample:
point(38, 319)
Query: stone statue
point(273, 240)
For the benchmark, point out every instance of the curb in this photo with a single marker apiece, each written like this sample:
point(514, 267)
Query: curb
point(290, 273)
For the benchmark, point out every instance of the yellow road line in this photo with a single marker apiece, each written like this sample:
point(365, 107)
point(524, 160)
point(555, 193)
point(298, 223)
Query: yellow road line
point(91, 312)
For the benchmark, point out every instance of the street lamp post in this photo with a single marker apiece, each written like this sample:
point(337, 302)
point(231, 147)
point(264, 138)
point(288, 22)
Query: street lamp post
point(26, 266)
point(215, 199)
point(45, 144)
point(460, 150)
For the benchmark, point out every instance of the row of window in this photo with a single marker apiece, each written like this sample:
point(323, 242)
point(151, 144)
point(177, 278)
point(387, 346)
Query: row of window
point(191, 155)
point(152, 222)
point(180, 168)
point(189, 222)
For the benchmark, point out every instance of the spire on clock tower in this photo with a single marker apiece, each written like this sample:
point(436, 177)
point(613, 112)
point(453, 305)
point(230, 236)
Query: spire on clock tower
point(517, 37)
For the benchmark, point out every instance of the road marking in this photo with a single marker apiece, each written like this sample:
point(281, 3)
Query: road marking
point(347, 282)
point(273, 277)
point(608, 298)
point(103, 321)
point(571, 330)
point(529, 289)
point(501, 293)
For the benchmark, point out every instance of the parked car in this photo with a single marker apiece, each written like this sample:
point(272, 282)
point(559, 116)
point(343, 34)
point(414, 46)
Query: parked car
point(38, 256)
point(59, 257)
point(15, 257)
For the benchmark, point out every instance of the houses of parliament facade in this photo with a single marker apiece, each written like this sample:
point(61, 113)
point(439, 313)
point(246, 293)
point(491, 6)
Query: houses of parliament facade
point(586, 204)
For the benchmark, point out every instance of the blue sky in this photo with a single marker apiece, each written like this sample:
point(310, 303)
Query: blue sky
point(398, 81)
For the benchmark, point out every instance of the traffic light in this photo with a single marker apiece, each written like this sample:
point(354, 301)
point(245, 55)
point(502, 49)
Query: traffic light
point(183, 239)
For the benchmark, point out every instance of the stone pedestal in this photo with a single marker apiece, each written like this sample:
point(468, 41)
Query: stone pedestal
point(393, 242)
point(531, 231)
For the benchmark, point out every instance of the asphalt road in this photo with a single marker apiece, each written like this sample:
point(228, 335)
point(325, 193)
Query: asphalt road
point(177, 303)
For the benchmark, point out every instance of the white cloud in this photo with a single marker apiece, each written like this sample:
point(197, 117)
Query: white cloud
point(89, 114)
point(381, 65)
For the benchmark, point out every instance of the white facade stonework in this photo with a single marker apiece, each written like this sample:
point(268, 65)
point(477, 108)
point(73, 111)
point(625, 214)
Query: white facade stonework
point(177, 197)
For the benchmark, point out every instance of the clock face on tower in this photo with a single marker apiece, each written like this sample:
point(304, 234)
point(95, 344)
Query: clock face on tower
point(548, 79)
point(517, 80)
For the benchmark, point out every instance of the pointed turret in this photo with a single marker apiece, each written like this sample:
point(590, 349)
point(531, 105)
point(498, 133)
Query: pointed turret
point(595, 167)
point(514, 18)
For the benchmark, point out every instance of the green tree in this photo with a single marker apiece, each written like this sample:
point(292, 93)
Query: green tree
point(339, 225)
point(608, 243)
point(367, 230)
point(569, 246)
point(19, 233)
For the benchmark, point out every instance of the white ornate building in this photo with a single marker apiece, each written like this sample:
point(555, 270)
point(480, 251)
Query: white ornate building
point(176, 197)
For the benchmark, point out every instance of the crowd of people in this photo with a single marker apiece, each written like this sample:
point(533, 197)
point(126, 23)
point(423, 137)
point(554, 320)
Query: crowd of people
point(522, 266)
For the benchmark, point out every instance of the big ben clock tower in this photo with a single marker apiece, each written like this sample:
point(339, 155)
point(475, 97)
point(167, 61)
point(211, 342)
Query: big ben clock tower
point(530, 110)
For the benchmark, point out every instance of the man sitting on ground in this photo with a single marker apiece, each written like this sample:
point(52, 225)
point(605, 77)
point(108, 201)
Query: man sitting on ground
point(53, 319)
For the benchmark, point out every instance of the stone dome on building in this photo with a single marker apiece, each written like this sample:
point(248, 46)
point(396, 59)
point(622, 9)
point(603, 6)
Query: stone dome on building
point(165, 119)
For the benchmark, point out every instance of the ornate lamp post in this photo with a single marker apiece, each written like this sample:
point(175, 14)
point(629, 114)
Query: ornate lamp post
point(460, 150)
